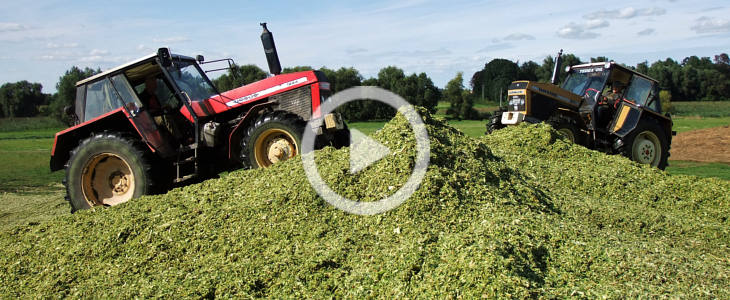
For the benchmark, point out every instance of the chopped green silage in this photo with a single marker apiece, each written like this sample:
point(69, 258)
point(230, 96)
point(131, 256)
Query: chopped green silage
point(519, 213)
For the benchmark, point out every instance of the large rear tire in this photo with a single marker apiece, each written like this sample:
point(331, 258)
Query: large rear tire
point(105, 170)
point(647, 144)
point(272, 138)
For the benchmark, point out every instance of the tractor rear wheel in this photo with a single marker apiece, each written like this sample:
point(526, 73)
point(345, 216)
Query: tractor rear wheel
point(647, 144)
point(272, 138)
point(105, 170)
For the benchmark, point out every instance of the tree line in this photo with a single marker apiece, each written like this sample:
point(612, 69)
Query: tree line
point(694, 78)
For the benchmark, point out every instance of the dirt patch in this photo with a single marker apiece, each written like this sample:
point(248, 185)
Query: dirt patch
point(704, 145)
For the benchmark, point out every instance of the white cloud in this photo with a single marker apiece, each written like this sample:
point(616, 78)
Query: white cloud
point(7, 27)
point(653, 11)
point(52, 45)
point(645, 32)
point(711, 25)
point(518, 37)
point(97, 52)
point(177, 39)
point(576, 32)
point(596, 23)
point(54, 57)
point(625, 13)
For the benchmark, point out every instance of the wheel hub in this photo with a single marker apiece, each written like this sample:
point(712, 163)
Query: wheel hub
point(107, 180)
point(273, 146)
point(646, 149)
point(279, 150)
point(119, 183)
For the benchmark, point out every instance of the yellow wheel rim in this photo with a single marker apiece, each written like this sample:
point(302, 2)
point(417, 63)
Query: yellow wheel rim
point(107, 180)
point(274, 145)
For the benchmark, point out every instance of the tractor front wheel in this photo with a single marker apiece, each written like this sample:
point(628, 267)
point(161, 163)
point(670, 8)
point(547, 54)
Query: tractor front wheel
point(272, 138)
point(647, 144)
point(495, 122)
point(105, 170)
point(567, 130)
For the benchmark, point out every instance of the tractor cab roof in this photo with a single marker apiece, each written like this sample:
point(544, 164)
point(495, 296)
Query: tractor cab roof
point(614, 66)
point(131, 64)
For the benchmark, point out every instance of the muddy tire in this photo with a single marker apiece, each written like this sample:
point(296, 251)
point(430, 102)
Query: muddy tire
point(647, 144)
point(271, 138)
point(107, 169)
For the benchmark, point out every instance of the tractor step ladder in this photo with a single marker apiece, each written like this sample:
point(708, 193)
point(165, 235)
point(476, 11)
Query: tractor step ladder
point(185, 158)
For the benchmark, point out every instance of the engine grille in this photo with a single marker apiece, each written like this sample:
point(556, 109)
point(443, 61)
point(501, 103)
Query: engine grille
point(297, 101)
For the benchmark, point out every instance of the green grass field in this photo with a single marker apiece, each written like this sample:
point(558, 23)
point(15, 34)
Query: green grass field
point(682, 124)
point(712, 109)
point(28, 190)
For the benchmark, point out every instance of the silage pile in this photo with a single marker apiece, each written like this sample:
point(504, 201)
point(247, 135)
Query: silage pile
point(520, 213)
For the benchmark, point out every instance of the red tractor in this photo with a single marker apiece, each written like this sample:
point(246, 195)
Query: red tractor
point(159, 121)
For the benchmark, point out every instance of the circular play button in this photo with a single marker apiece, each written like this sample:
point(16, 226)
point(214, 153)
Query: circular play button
point(365, 151)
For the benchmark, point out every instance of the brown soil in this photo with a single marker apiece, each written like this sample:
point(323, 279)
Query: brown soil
point(704, 145)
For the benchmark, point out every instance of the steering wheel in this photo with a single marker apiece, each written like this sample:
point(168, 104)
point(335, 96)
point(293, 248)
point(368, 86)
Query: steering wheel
point(591, 90)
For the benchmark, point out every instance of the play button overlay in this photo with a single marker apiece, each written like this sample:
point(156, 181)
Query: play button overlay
point(364, 151)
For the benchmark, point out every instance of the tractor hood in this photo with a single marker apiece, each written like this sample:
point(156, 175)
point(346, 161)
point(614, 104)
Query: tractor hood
point(256, 91)
point(520, 88)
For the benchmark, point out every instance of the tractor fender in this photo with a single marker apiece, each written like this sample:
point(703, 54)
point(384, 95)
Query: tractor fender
point(68, 139)
point(234, 135)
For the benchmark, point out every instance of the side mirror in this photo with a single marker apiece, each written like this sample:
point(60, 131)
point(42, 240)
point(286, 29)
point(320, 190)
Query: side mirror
point(165, 58)
point(200, 59)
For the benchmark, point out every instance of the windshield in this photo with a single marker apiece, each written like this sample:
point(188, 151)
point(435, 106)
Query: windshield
point(191, 80)
point(581, 81)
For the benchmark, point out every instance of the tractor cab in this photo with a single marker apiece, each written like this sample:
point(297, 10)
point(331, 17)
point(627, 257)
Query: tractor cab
point(155, 92)
point(592, 80)
point(607, 86)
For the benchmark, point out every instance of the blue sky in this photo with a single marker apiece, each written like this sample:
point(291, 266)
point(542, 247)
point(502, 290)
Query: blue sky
point(40, 40)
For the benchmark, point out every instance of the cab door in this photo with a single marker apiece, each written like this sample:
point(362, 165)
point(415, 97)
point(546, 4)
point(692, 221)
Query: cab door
point(141, 118)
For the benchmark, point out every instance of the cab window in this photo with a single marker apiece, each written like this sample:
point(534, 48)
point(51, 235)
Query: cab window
point(100, 99)
point(639, 91)
point(125, 90)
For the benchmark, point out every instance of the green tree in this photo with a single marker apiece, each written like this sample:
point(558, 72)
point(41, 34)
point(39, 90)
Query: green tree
point(296, 69)
point(461, 103)
point(599, 59)
point(494, 79)
point(643, 68)
point(66, 91)
point(528, 71)
point(239, 76)
point(665, 98)
point(545, 72)
point(21, 99)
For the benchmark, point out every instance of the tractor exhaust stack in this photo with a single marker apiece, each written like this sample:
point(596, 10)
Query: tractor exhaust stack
point(272, 57)
point(556, 71)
